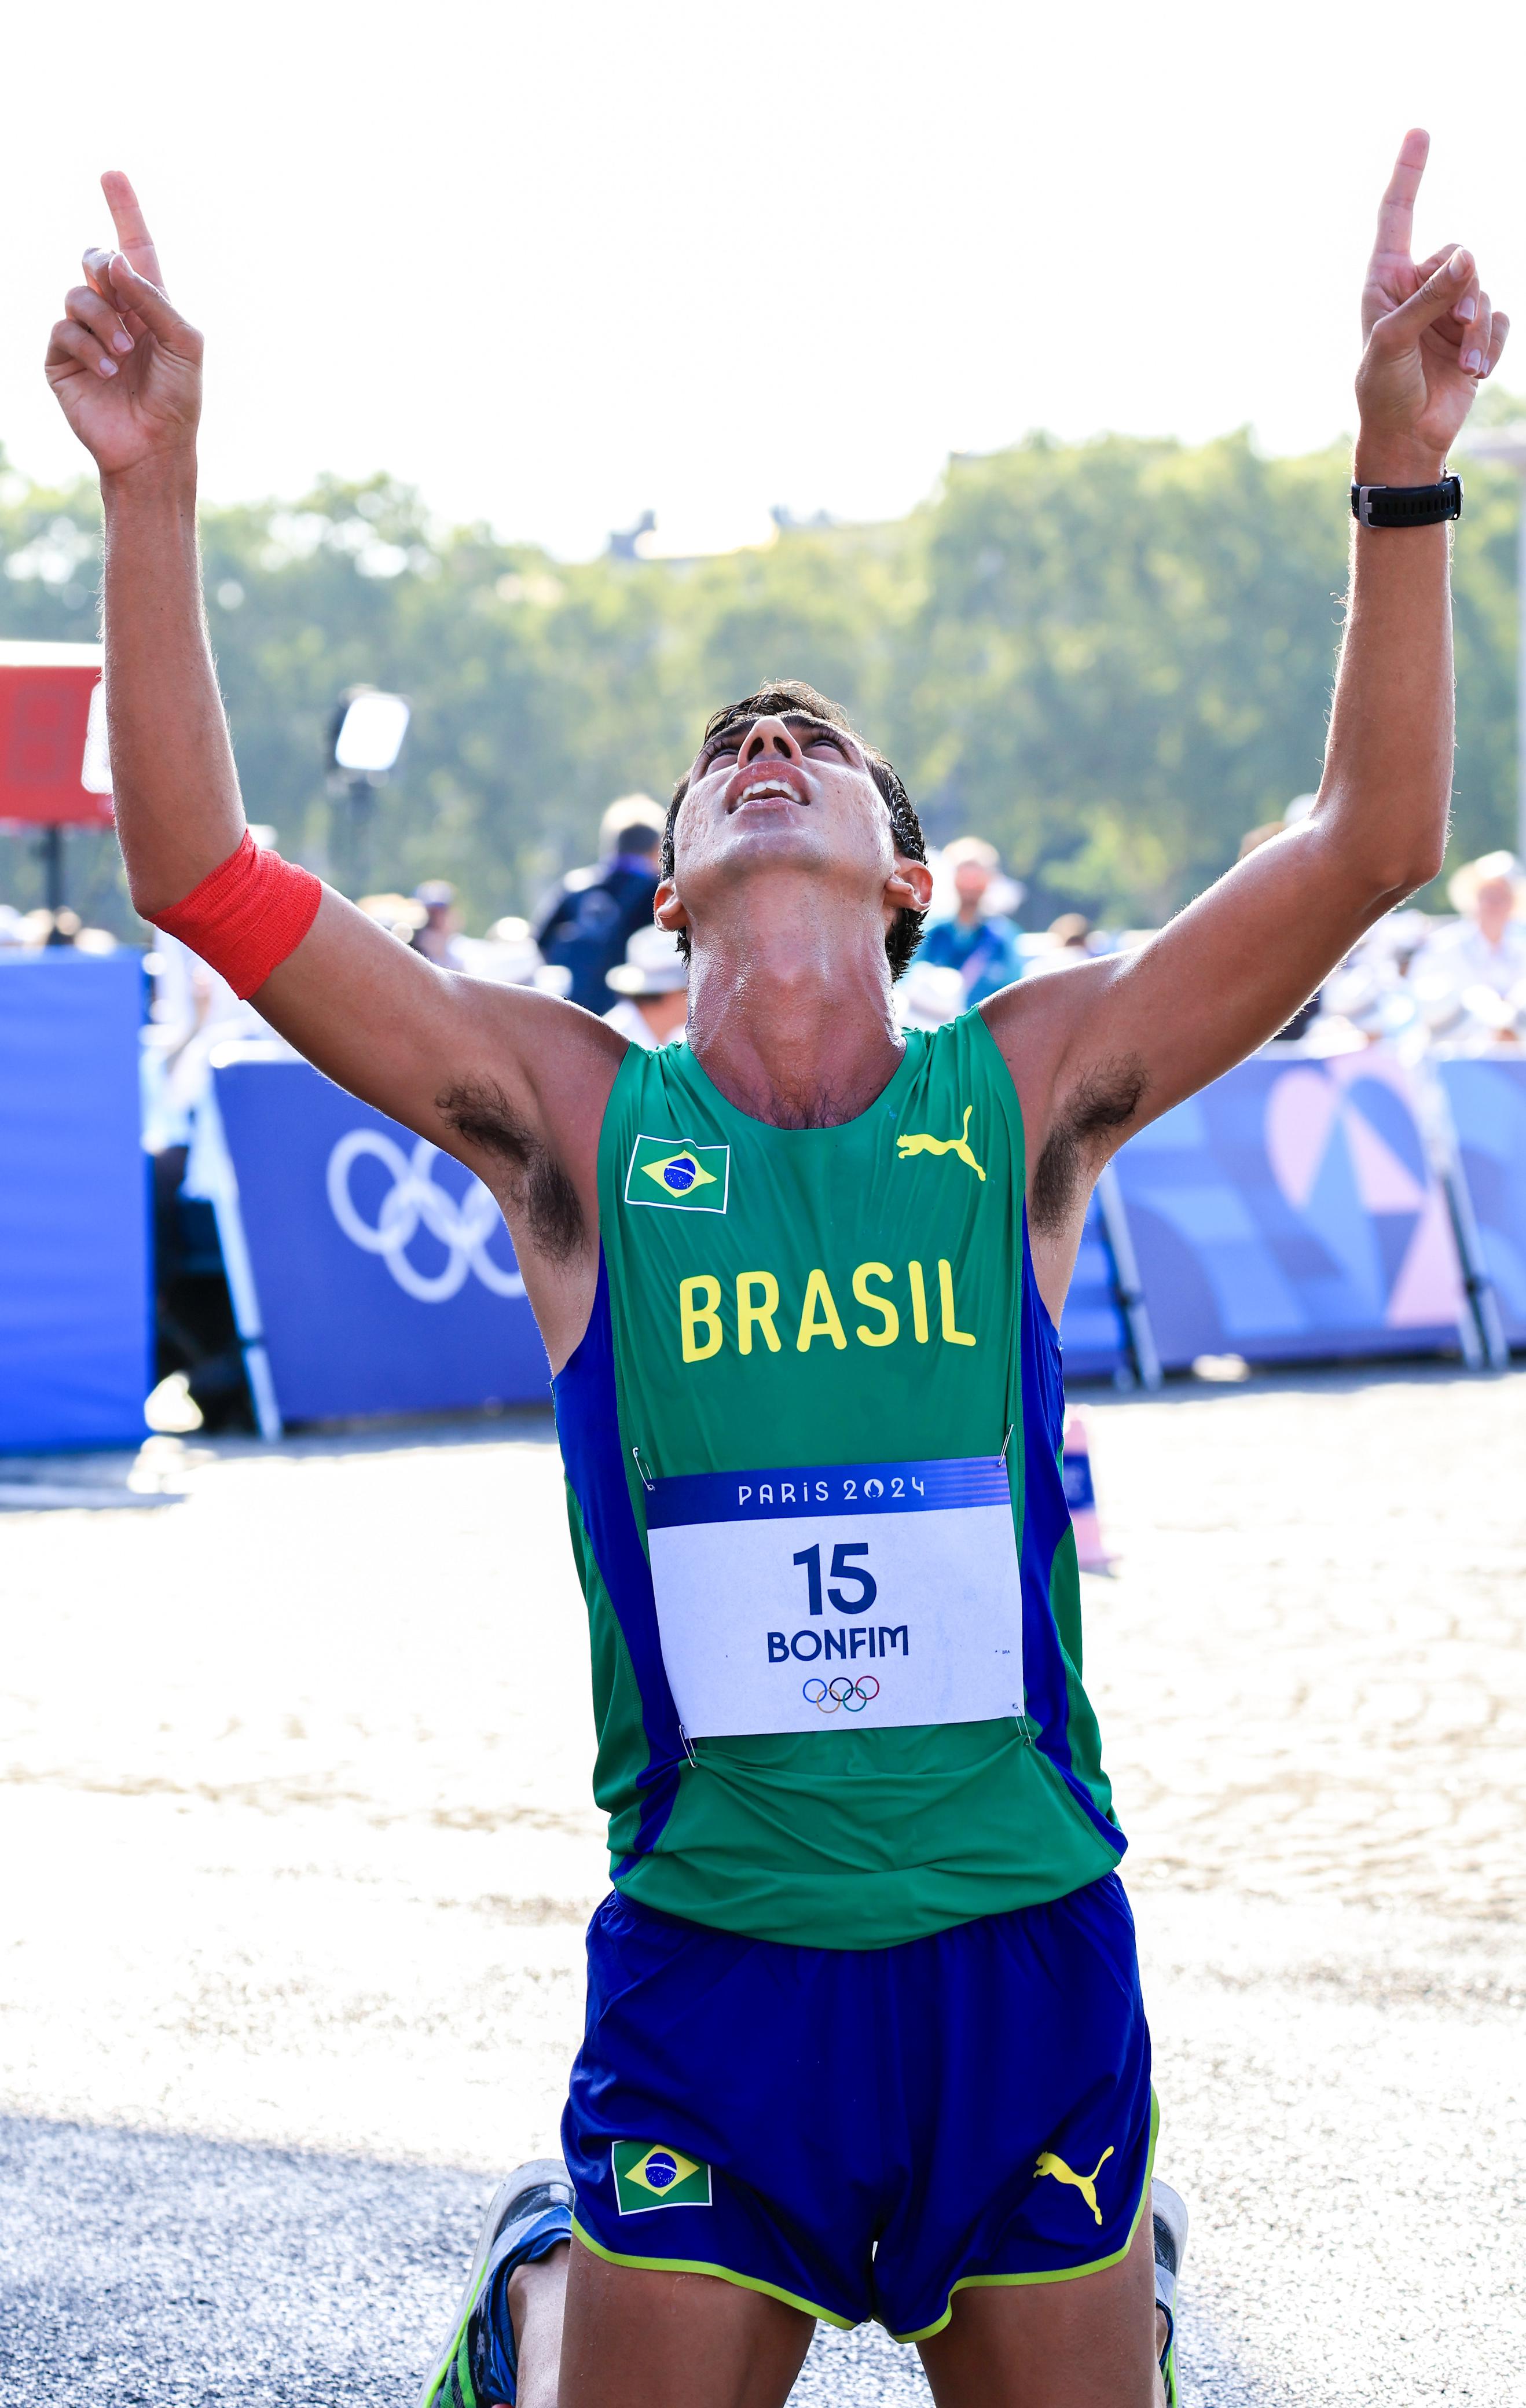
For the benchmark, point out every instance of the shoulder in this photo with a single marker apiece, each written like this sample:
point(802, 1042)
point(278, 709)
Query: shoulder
point(546, 1045)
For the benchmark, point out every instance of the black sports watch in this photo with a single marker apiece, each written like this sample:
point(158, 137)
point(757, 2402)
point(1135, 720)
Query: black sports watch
point(1403, 506)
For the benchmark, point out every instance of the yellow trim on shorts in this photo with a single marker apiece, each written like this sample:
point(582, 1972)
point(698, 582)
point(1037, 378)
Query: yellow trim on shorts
point(722, 2275)
point(1062, 2274)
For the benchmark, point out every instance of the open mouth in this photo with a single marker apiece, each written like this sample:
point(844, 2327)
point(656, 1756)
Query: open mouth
point(764, 790)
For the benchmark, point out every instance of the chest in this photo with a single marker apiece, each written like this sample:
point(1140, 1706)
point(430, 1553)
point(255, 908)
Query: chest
point(828, 1281)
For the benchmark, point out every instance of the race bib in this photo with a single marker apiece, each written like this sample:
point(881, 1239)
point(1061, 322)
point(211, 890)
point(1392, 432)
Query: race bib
point(849, 1597)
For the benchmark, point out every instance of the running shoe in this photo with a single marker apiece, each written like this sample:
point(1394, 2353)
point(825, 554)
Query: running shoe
point(531, 2211)
point(1169, 2210)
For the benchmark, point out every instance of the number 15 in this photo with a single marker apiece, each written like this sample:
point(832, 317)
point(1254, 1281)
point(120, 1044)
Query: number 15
point(869, 1587)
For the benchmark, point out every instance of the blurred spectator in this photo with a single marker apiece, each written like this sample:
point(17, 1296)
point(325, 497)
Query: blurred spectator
point(1371, 993)
point(588, 921)
point(1072, 934)
point(1069, 941)
point(436, 934)
point(1470, 980)
point(980, 940)
point(31, 930)
point(653, 985)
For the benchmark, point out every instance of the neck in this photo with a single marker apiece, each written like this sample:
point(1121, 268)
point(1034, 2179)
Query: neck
point(790, 1011)
point(968, 914)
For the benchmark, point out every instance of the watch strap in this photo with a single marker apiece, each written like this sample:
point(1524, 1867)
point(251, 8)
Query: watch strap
point(1402, 506)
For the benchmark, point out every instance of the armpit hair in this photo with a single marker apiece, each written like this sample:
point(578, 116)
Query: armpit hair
point(480, 1111)
point(1108, 1096)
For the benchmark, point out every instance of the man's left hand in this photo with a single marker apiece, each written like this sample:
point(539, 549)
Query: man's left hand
point(1431, 339)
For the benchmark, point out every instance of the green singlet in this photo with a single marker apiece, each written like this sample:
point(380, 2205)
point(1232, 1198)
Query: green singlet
point(812, 1448)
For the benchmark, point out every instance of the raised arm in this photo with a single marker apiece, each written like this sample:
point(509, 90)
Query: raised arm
point(1101, 1050)
point(512, 1083)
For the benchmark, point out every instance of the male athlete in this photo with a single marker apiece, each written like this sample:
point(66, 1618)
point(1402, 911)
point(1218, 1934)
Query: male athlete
point(864, 2032)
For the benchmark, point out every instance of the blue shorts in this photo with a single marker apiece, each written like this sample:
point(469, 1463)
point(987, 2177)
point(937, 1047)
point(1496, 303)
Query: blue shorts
point(860, 2132)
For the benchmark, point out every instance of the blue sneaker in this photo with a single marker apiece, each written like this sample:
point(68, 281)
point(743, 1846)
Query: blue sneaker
point(1168, 2210)
point(530, 2212)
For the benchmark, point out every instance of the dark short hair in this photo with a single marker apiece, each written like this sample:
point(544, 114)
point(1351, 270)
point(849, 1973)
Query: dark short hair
point(791, 698)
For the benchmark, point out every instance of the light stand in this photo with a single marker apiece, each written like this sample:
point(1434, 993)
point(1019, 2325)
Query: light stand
point(365, 737)
point(50, 846)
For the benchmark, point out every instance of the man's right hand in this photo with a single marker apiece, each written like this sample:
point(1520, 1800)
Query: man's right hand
point(511, 1082)
point(124, 364)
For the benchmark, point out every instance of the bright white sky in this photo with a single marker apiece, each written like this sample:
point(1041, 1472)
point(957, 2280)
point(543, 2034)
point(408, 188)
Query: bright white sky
point(556, 264)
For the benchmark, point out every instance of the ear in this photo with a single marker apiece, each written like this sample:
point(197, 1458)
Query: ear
point(668, 910)
point(909, 886)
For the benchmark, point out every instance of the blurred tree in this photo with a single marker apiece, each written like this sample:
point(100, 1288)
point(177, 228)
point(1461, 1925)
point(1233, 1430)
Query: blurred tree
point(1112, 657)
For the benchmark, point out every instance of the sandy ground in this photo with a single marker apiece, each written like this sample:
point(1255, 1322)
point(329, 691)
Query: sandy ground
point(296, 1849)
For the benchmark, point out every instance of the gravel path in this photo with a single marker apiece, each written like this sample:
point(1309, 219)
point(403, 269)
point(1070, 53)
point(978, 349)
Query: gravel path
point(296, 1848)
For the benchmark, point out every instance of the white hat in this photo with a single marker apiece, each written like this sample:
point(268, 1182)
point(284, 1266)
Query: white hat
point(652, 965)
point(1464, 884)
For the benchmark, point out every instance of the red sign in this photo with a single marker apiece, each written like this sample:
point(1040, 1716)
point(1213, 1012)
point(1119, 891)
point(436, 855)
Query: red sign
point(53, 734)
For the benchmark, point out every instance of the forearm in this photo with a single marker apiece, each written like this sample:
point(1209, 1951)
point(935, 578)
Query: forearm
point(1252, 948)
point(1388, 777)
point(176, 789)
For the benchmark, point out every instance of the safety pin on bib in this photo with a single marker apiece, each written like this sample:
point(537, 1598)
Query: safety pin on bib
point(646, 1479)
point(1007, 1440)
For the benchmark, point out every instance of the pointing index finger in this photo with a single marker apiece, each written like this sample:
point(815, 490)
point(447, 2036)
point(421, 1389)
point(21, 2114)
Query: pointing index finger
point(1396, 211)
point(133, 236)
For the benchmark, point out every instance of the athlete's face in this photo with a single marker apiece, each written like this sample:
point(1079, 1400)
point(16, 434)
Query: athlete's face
point(787, 793)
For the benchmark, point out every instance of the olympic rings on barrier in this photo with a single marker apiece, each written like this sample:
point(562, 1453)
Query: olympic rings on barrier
point(852, 1696)
point(462, 1228)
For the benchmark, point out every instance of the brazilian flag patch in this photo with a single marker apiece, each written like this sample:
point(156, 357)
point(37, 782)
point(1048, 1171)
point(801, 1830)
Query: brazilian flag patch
point(685, 1178)
point(647, 2175)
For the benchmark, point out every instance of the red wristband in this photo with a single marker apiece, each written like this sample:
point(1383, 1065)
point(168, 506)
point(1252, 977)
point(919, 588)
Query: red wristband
point(247, 915)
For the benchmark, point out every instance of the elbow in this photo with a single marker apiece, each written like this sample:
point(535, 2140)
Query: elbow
point(1386, 841)
point(1387, 875)
point(1411, 871)
point(147, 900)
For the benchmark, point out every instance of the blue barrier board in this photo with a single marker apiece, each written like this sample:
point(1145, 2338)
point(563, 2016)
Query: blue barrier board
point(1287, 1214)
point(1093, 1341)
point(385, 1280)
point(76, 1321)
point(1487, 1100)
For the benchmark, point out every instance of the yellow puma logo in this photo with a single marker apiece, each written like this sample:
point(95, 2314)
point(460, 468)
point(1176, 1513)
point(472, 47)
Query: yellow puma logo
point(959, 1145)
point(1085, 2184)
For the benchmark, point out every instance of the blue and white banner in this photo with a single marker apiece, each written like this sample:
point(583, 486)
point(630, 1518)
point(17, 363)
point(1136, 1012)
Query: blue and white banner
point(1488, 1103)
point(867, 1487)
point(1288, 1214)
point(375, 1272)
point(76, 1285)
point(1093, 1341)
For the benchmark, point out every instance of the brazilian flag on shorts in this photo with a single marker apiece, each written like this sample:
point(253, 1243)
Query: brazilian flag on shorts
point(648, 2176)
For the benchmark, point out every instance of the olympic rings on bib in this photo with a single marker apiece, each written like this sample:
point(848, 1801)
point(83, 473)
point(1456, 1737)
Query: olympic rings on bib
point(852, 1696)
